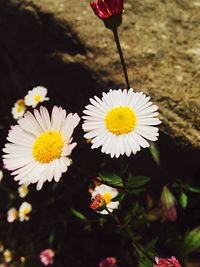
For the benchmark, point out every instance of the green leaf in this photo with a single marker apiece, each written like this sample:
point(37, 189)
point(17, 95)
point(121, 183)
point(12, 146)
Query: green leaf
point(155, 153)
point(183, 200)
point(78, 214)
point(137, 181)
point(191, 241)
point(112, 179)
point(51, 239)
point(193, 189)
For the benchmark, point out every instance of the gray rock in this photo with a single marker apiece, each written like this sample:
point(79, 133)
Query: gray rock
point(63, 45)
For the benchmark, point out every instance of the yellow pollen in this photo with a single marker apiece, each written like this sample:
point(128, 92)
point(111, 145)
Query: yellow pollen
point(121, 120)
point(48, 146)
point(37, 98)
point(107, 196)
point(26, 211)
point(20, 105)
point(20, 108)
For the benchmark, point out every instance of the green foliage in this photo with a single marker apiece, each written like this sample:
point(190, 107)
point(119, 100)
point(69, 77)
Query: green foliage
point(137, 184)
point(112, 179)
point(193, 189)
point(183, 200)
point(155, 153)
point(191, 241)
point(51, 239)
point(78, 214)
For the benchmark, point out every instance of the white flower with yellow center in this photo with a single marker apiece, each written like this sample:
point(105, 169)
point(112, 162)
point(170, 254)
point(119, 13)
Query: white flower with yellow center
point(23, 191)
point(121, 122)
point(24, 211)
point(36, 96)
point(7, 255)
point(12, 215)
point(18, 109)
point(40, 146)
point(108, 193)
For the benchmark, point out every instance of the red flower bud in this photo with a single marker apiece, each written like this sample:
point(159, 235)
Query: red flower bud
point(168, 203)
point(98, 203)
point(110, 11)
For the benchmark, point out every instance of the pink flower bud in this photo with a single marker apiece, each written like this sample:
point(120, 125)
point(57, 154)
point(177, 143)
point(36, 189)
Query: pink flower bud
point(168, 203)
point(108, 262)
point(168, 262)
point(105, 9)
point(47, 256)
point(98, 203)
point(110, 11)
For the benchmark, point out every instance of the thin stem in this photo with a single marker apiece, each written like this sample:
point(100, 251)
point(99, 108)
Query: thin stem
point(128, 232)
point(121, 57)
point(137, 246)
point(115, 218)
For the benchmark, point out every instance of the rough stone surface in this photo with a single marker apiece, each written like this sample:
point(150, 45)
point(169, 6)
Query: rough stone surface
point(61, 44)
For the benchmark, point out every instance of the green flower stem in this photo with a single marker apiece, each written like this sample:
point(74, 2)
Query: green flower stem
point(129, 234)
point(115, 218)
point(137, 246)
point(115, 32)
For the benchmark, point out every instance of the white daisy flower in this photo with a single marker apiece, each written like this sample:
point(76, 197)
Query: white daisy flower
point(40, 146)
point(12, 215)
point(35, 96)
point(121, 122)
point(23, 191)
point(7, 255)
point(107, 193)
point(18, 109)
point(24, 211)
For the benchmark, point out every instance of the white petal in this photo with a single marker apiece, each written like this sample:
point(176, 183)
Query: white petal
point(113, 205)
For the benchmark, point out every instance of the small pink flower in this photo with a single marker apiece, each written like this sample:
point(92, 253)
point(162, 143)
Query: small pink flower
point(106, 9)
point(168, 262)
point(108, 262)
point(98, 203)
point(47, 256)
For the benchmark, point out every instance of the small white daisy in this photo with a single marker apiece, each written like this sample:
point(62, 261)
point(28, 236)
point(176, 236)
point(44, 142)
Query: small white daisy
point(24, 211)
point(121, 122)
point(36, 96)
point(7, 255)
point(23, 191)
point(12, 215)
point(108, 193)
point(40, 146)
point(1, 175)
point(18, 109)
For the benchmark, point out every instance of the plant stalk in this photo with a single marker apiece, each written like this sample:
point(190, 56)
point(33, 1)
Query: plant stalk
point(115, 32)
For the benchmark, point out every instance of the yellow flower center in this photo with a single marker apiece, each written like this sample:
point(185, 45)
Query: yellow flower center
point(20, 108)
point(107, 197)
point(20, 105)
point(121, 120)
point(48, 146)
point(26, 211)
point(37, 98)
